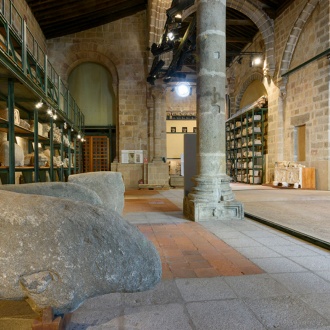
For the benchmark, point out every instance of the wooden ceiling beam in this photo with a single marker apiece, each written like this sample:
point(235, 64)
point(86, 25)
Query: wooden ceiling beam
point(86, 13)
point(75, 26)
point(50, 5)
point(239, 22)
point(238, 40)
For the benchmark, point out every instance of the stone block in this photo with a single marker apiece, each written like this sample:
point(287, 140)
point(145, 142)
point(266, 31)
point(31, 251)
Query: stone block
point(108, 185)
point(57, 253)
point(56, 189)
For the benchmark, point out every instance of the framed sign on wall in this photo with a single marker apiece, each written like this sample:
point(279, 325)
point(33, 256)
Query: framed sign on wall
point(132, 156)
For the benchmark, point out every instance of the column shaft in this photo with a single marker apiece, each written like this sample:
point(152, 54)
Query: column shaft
point(212, 195)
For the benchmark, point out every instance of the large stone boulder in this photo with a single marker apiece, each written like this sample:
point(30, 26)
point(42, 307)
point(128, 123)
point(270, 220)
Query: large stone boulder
point(108, 185)
point(58, 252)
point(56, 189)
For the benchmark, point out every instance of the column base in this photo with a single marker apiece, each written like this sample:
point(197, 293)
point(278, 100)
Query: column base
point(212, 199)
point(196, 210)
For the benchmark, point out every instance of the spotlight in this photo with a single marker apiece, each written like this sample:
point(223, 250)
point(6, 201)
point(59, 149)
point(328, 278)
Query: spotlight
point(50, 112)
point(256, 61)
point(39, 104)
point(183, 90)
point(54, 116)
point(79, 136)
point(170, 36)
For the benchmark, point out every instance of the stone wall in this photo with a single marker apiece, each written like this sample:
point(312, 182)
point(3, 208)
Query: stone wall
point(25, 12)
point(120, 47)
point(307, 99)
point(301, 32)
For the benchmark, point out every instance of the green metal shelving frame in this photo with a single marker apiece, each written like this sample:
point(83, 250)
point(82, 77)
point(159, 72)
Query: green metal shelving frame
point(27, 75)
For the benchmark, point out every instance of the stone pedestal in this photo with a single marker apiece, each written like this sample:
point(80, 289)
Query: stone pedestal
point(212, 199)
point(158, 175)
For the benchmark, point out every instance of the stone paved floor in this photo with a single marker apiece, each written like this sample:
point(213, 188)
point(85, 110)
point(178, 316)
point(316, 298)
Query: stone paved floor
point(290, 288)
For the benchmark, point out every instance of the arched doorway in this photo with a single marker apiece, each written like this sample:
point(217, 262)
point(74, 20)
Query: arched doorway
point(91, 85)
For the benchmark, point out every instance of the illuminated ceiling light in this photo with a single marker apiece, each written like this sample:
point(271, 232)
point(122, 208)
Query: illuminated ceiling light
point(256, 61)
point(183, 90)
point(170, 36)
point(50, 112)
point(79, 136)
point(39, 104)
point(178, 16)
point(54, 116)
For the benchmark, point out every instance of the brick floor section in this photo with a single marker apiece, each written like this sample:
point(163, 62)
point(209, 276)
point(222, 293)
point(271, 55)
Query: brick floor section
point(149, 205)
point(188, 250)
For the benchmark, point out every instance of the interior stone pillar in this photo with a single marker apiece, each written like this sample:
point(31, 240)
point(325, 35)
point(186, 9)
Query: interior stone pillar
point(158, 95)
point(158, 171)
point(212, 197)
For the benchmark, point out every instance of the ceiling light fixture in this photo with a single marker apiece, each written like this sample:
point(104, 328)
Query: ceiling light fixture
point(39, 104)
point(170, 36)
point(183, 89)
point(256, 60)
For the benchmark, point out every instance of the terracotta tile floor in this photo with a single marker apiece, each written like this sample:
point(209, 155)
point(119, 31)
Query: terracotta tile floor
point(149, 205)
point(187, 250)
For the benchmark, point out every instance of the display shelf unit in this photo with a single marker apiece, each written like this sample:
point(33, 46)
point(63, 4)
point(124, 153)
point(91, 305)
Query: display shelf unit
point(28, 77)
point(246, 146)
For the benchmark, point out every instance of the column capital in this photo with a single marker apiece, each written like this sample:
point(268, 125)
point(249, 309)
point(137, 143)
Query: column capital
point(157, 91)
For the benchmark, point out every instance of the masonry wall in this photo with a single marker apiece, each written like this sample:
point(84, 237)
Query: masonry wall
point(301, 98)
point(307, 99)
point(120, 47)
point(25, 12)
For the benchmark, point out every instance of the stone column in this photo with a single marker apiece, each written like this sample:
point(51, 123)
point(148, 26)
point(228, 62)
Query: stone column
point(212, 197)
point(158, 171)
point(282, 83)
point(158, 95)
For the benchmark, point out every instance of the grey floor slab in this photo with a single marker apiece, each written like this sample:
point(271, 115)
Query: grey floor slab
point(256, 286)
point(319, 302)
point(278, 265)
point(314, 263)
point(286, 313)
point(241, 242)
point(303, 283)
point(164, 317)
point(200, 289)
point(223, 315)
point(295, 250)
point(258, 252)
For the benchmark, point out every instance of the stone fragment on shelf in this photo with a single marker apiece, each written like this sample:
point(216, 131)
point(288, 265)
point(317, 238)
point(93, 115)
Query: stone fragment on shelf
point(4, 154)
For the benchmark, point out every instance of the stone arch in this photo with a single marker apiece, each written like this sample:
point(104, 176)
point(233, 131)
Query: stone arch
point(264, 24)
point(82, 53)
point(255, 76)
point(294, 35)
